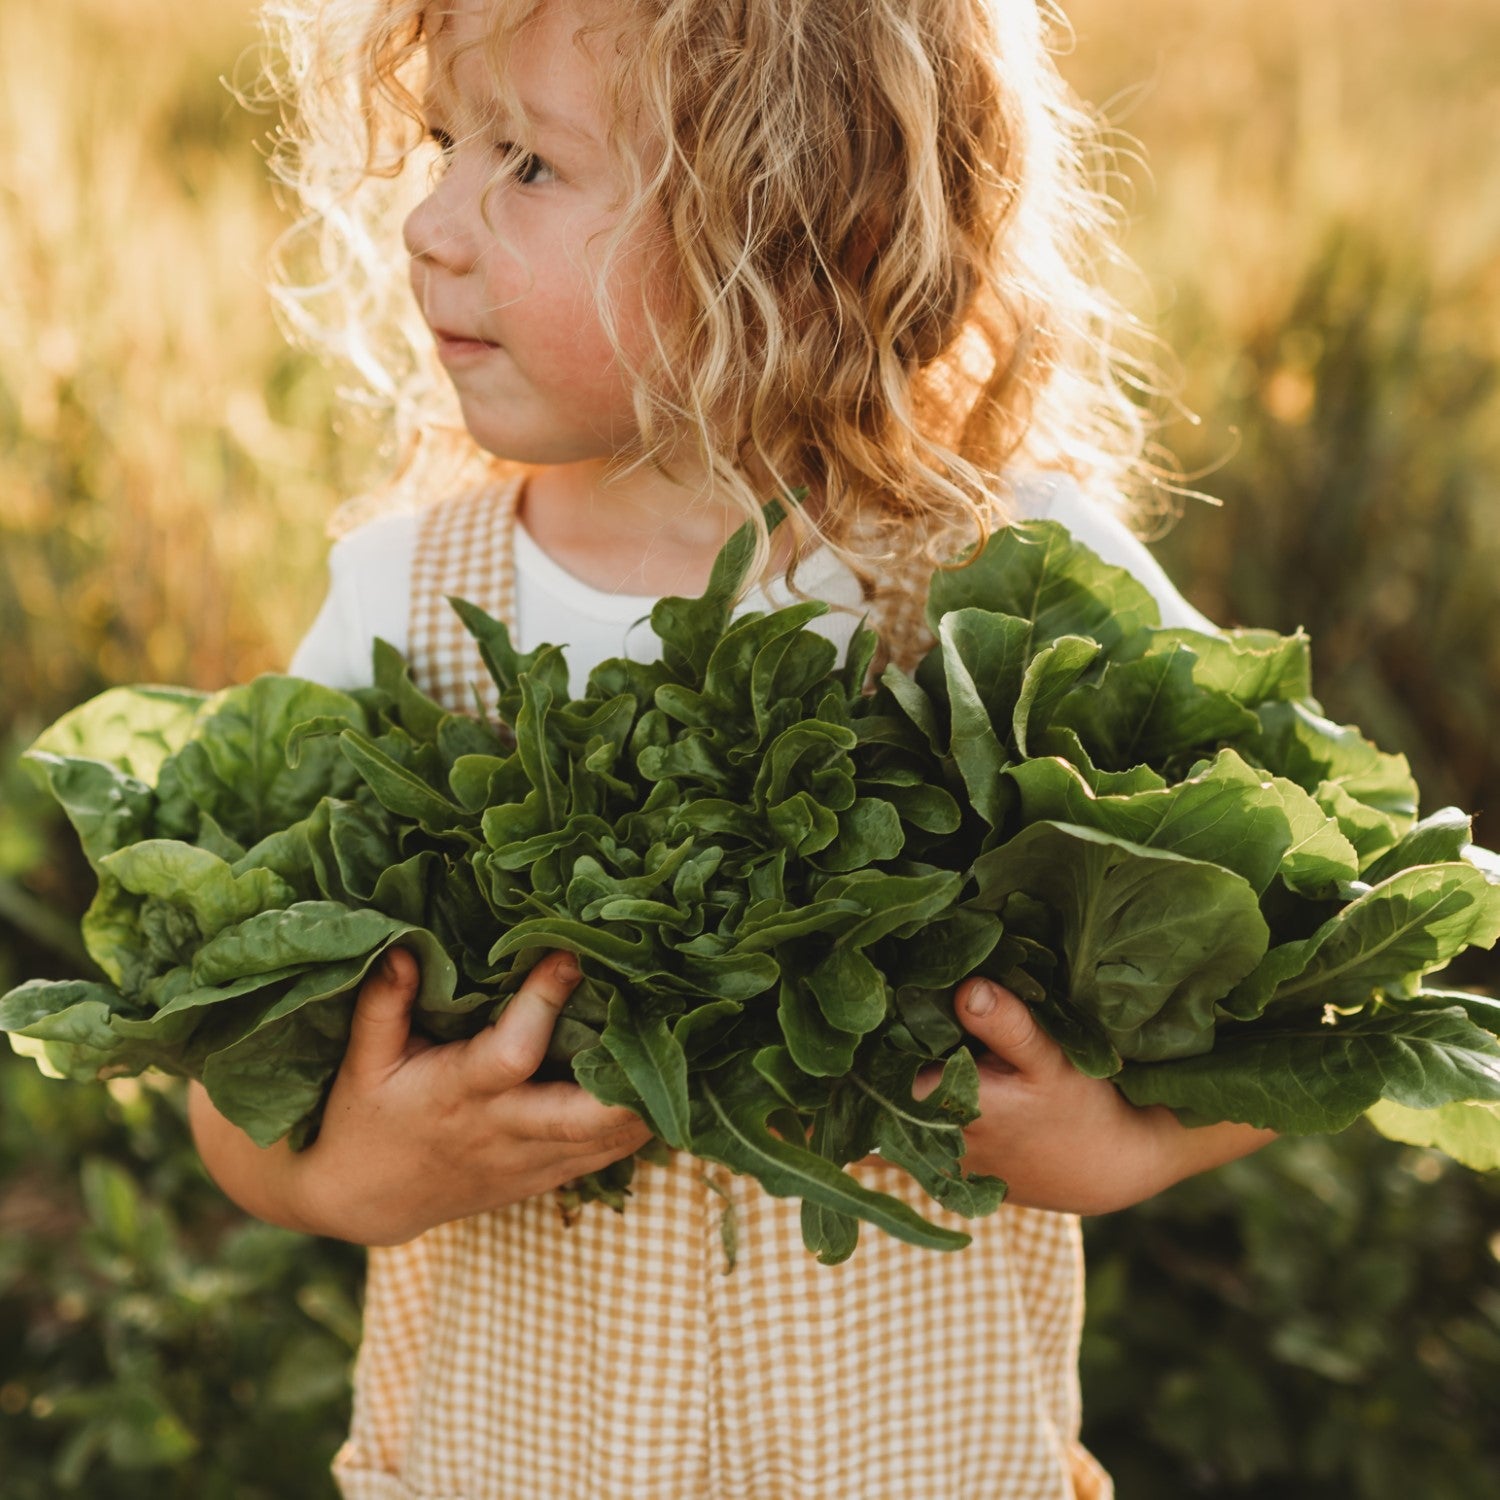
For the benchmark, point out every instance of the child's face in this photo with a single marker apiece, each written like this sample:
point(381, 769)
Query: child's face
point(523, 344)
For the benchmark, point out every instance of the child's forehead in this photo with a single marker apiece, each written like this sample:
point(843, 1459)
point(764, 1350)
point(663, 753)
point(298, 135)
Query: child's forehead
point(473, 44)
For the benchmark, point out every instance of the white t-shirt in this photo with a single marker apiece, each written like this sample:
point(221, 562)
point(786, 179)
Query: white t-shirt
point(370, 585)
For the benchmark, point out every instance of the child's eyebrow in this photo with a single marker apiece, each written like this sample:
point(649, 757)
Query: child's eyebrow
point(548, 119)
point(551, 121)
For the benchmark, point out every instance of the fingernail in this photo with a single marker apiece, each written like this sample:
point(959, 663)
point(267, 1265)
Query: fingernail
point(568, 970)
point(982, 998)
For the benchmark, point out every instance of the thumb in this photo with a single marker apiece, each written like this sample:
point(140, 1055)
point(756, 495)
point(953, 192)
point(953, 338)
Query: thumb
point(1004, 1023)
point(380, 1032)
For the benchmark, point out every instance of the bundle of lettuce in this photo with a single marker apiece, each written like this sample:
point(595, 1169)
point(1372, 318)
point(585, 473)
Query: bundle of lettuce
point(774, 879)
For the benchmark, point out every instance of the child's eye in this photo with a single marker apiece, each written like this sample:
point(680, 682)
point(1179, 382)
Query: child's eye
point(528, 162)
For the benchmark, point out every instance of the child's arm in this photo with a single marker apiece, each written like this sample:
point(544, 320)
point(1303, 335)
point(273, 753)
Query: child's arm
point(415, 1133)
point(1064, 1141)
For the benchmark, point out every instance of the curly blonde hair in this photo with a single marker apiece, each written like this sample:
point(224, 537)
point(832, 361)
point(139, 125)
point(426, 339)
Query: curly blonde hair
point(889, 224)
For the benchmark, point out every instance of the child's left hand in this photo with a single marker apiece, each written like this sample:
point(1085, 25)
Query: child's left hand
point(1062, 1140)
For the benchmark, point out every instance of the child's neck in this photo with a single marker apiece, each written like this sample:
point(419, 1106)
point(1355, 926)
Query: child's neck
point(643, 537)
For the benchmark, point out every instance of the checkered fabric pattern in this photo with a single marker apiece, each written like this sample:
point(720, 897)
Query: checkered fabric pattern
point(465, 549)
point(528, 1354)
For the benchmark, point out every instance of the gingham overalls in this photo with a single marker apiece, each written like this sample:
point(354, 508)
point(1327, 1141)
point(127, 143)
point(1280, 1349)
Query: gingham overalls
point(519, 1356)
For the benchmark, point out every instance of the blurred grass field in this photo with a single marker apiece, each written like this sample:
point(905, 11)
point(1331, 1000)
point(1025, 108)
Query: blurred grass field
point(166, 461)
point(1317, 222)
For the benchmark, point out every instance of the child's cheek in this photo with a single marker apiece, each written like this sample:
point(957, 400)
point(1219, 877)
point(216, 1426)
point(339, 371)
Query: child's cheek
point(572, 355)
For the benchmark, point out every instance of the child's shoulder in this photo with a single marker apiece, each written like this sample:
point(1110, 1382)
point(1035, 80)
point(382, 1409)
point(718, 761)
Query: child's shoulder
point(369, 586)
point(1046, 495)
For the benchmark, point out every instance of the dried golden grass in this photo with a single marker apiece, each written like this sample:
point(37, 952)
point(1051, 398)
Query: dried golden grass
point(157, 520)
point(1263, 122)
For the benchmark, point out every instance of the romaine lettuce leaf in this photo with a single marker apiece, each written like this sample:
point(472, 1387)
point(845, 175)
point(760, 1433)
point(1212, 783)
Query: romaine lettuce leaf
point(1151, 940)
point(1309, 1076)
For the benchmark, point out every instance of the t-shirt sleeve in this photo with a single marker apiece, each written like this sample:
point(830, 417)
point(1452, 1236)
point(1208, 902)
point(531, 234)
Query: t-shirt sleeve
point(1058, 497)
point(369, 585)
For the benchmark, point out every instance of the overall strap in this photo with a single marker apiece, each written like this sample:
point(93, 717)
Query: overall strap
point(466, 548)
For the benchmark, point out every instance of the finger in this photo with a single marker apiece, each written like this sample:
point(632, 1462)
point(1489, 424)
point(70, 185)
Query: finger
point(1004, 1023)
point(566, 1113)
point(597, 1161)
point(511, 1050)
point(380, 1030)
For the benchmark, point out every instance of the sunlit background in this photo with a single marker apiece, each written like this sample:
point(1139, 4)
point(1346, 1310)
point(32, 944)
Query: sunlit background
point(1314, 198)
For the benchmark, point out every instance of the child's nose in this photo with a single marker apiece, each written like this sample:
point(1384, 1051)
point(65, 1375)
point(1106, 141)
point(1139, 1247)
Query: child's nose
point(434, 230)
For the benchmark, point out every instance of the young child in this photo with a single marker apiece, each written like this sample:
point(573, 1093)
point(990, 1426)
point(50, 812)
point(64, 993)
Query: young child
point(674, 257)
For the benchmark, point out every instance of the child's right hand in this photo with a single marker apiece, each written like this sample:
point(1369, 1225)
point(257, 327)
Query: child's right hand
point(416, 1133)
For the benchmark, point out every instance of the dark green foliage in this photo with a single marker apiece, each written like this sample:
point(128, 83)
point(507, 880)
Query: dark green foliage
point(1322, 1318)
point(157, 1344)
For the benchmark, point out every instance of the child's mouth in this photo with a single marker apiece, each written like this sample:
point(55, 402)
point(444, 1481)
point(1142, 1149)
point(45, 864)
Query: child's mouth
point(457, 346)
